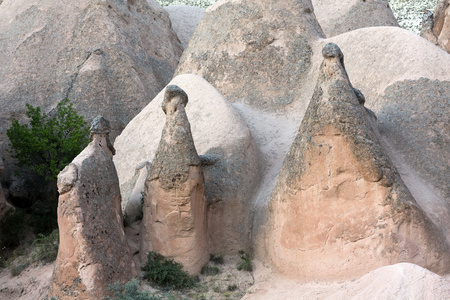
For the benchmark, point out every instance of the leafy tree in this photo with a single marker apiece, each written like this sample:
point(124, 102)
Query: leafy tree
point(48, 143)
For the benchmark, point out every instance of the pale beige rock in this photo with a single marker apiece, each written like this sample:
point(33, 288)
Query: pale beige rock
point(108, 57)
point(337, 17)
point(220, 134)
point(133, 207)
point(93, 251)
point(340, 209)
point(399, 281)
point(255, 52)
point(185, 20)
point(174, 222)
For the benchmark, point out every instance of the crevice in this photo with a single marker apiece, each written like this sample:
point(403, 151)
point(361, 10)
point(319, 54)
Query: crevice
point(74, 77)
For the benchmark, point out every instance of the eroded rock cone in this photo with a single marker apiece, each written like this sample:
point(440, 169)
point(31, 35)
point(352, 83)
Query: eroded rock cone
point(92, 250)
point(254, 51)
point(339, 208)
point(174, 222)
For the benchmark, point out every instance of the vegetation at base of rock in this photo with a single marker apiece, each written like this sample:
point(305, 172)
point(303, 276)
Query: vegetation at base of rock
point(47, 247)
point(208, 270)
point(12, 229)
point(17, 269)
point(217, 259)
point(166, 272)
point(232, 287)
point(129, 291)
point(48, 143)
point(245, 262)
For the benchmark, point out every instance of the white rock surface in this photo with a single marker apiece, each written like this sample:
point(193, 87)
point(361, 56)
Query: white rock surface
point(184, 20)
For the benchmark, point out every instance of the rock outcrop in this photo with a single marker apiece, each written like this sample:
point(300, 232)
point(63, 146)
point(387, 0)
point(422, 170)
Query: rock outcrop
point(174, 222)
point(185, 20)
point(336, 17)
point(93, 251)
point(436, 26)
point(254, 52)
point(339, 208)
point(220, 134)
point(108, 57)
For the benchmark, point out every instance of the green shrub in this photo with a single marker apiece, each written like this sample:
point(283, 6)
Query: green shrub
point(12, 229)
point(129, 291)
point(16, 270)
point(47, 247)
point(232, 287)
point(217, 259)
point(48, 144)
point(210, 270)
point(166, 272)
point(245, 262)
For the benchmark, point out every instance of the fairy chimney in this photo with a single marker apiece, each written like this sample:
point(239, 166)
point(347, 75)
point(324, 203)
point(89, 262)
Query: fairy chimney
point(174, 222)
point(93, 251)
point(339, 208)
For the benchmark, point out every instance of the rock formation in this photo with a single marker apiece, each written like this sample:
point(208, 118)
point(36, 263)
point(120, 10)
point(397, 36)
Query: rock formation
point(254, 52)
point(219, 132)
point(185, 20)
point(436, 26)
point(174, 222)
point(92, 250)
point(108, 57)
point(339, 208)
point(336, 17)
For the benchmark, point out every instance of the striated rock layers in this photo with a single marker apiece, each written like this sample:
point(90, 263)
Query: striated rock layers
point(92, 250)
point(254, 52)
point(339, 208)
point(107, 56)
point(231, 164)
point(436, 26)
point(174, 222)
point(336, 17)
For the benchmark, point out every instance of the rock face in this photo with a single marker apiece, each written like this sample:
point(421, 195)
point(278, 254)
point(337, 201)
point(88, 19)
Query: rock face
point(339, 208)
point(185, 20)
point(93, 250)
point(228, 154)
point(108, 57)
point(436, 27)
point(336, 17)
point(254, 52)
point(174, 222)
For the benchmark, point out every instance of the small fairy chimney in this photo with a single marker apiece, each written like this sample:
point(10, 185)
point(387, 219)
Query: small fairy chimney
point(174, 222)
point(93, 251)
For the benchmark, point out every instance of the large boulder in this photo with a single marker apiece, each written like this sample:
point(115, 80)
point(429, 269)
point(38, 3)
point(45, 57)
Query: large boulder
point(174, 223)
point(108, 57)
point(93, 251)
point(255, 52)
point(336, 17)
point(339, 201)
point(227, 152)
point(185, 20)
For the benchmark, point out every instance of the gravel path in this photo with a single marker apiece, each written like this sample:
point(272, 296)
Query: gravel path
point(408, 12)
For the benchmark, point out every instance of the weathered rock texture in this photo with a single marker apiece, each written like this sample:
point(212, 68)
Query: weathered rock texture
point(436, 27)
point(108, 57)
point(254, 52)
point(185, 20)
point(174, 222)
point(92, 250)
point(340, 209)
point(336, 17)
point(220, 134)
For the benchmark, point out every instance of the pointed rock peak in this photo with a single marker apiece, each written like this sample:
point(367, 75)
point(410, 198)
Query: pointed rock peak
point(339, 208)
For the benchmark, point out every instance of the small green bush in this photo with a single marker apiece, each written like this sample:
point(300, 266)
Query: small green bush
point(48, 144)
point(129, 291)
point(47, 247)
point(210, 270)
point(245, 262)
point(232, 287)
point(166, 272)
point(217, 259)
point(16, 270)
